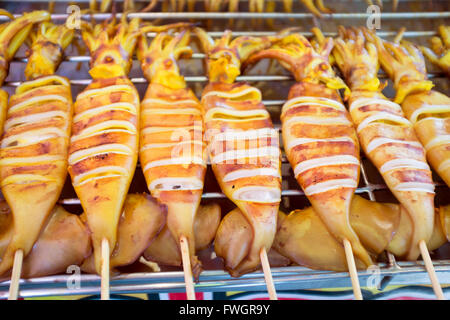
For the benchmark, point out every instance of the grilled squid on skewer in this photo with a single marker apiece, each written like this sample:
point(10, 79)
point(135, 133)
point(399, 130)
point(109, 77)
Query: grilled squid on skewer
point(318, 135)
point(104, 141)
point(386, 135)
point(34, 146)
point(242, 145)
point(427, 109)
point(172, 151)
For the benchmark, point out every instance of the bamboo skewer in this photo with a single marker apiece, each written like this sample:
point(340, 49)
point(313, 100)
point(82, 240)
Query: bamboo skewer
point(431, 272)
point(104, 286)
point(268, 274)
point(15, 276)
point(352, 270)
point(190, 292)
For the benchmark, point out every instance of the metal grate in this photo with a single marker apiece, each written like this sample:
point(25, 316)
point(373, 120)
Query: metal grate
point(274, 85)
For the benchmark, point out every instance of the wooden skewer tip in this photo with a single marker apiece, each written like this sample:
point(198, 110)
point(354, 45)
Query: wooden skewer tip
point(190, 292)
point(15, 276)
point(268, 274)
point(431, 272)
point(352, 270)
point(105, 270)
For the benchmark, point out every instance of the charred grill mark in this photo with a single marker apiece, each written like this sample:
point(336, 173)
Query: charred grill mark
point(107, 159)
point(100, 139)
point(379, 107)
point(99, 118)
point(51, 122)
point(98, 199)
point(315, 150)
point(314, 110)
point(412, 175)
point(230, 167)
point(322, 174)
point(305, 130)
point(36, 109)
point(60, 90)
point(43, 169)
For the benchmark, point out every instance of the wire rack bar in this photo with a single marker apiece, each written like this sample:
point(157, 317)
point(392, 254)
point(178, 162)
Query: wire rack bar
point(250, 78)
point(250, 15)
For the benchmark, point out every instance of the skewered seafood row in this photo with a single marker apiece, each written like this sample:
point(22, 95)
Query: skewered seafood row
point(12, 35)
point(439, 53)
point(386, 136)
point(34, 146)
point(243, 147)
point(427, 109)
point(104, 142)
point(317, 7)
point(301, 238)
point(172, 151)
point(318, 135)
point(143, 231)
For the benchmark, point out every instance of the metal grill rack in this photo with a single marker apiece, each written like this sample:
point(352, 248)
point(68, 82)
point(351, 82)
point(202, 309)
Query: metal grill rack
point(420, 17)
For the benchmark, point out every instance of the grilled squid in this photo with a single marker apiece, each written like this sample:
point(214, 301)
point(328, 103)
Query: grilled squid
point(104, 141)
point(386, 135)
point(427, 109)
point(34, 146)
point(439, 53)
point(318, 135)
point(12, 35)
point(243, 147)
point(172, 151)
